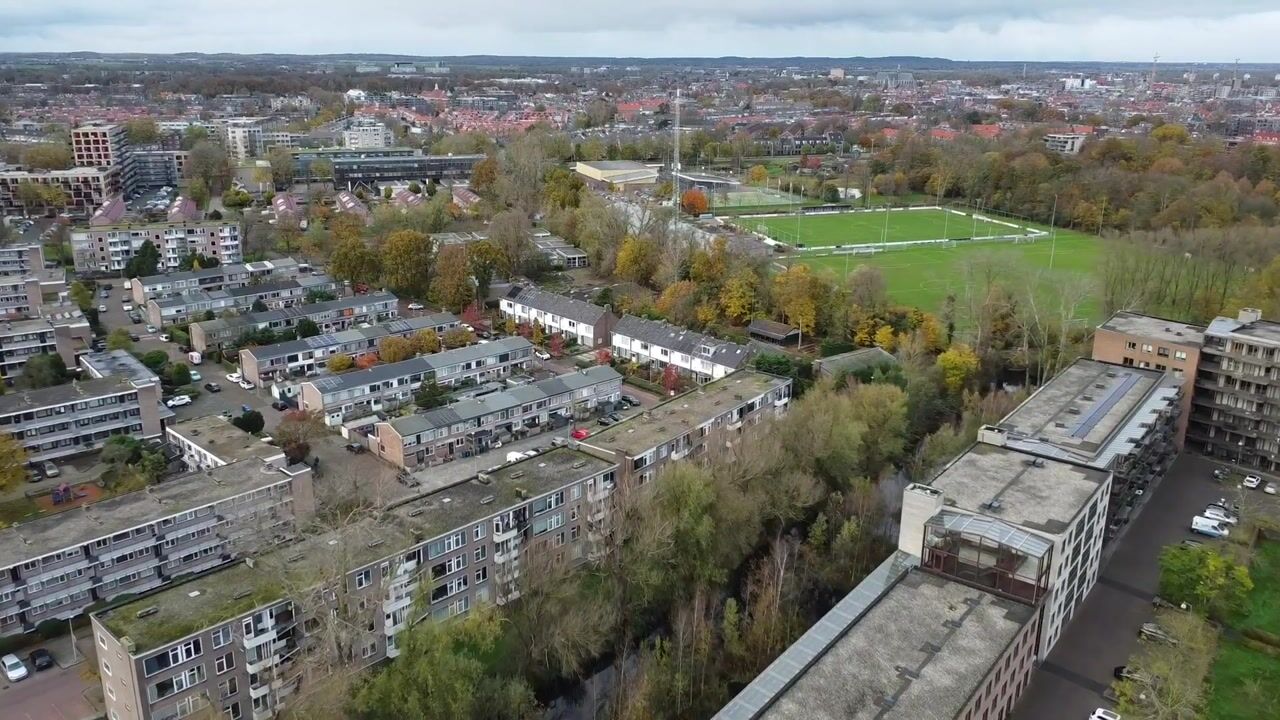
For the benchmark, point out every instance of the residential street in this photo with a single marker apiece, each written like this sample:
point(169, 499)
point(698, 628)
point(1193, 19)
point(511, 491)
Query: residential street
point(1103, 634)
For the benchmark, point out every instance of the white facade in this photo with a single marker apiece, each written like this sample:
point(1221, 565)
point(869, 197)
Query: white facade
point(697, 364)
point(366, 136)
point(1064, 143)
point(579, 332)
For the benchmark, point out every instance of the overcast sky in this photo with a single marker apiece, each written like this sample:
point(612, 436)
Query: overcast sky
point(1133, 30)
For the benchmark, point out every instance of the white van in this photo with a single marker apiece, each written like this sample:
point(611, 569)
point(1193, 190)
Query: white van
point(1208, 527)
point(128, 285)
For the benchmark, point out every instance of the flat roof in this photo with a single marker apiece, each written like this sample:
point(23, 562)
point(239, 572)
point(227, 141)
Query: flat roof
point(54, 532)
point(119, 363)
point(231, 591)
point(1261, 330)
point(679, 415)
point(917, 654)
point(1033, 492)
point(160, 225)
point(1083, 408)
point(217, 436)
point(76, 390)
point(474, 500)
point(1149, 326)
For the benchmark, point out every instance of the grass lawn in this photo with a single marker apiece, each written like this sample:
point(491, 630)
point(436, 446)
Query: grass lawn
point(19, 510)
point(1244, 681)
point(924, 277)
point(868, 228)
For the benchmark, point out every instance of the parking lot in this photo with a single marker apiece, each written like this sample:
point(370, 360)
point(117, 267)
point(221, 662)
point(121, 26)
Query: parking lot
point(59, 693)
point(1103, 634)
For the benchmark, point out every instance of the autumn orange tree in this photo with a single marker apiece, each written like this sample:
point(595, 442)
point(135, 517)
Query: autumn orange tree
point(694, 201)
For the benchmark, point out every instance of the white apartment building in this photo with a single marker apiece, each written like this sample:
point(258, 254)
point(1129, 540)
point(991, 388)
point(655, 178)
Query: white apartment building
point(653, 341)
point(110, 247)
point(1065, 143)
point(365, 134)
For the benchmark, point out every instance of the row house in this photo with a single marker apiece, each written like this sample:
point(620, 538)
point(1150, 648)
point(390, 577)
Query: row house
point(233, 640)
point(471, 427)
point(687, 426)
point(56, 566)
point(330, 316)
point(108, 248)
point(307, 356)
point(577, 321)
point(386, 387)
point(654, 341)
point(223, 277)
point(278, 294)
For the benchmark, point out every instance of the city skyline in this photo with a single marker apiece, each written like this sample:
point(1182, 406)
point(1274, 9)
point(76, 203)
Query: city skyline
point(983, 30)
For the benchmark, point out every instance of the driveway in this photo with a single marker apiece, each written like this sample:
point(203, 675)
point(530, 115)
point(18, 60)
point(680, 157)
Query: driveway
point(1103, 633)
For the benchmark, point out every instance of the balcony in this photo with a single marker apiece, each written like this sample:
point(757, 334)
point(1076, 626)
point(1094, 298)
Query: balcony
point(258, 691)
point(781, 402)
point(509, 532)
point(511, 555)
point(261, 637)
point(263, 664)
point(397, 601)
point(263, 714)
point(988, 553)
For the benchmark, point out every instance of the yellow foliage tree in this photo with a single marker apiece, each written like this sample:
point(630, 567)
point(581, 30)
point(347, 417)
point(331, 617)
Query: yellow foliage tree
point(637, 260)
point(394, 348)
point(932, 332)
point(707, 313)
point(738, 296)
point(13, 462)
point(795, 292)
point(340, 362)
point(425, 342)
point(757, 175)
point(886, 339)
point(959, 365)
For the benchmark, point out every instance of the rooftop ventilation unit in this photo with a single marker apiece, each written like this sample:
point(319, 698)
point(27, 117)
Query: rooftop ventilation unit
point(147, 612)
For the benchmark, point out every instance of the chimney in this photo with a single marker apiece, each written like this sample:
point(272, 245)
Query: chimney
point(991, 435)
point(1249, 315)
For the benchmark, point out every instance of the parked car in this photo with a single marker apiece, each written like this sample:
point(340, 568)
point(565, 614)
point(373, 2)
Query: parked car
point(41, 659)
point(355, 448)
point(1104, 714)
point(605, 421)
point(234, 377)
point(102, 308)
point(195, 376)
point(1251, 482)
point(614, 417)
point(50, 470)
point(631, 400)
point(134, 337)
point(164, 337)
point(246, 384)
point(415, 306)
point(213, 387)
point(179, 401)
point(107, 286)
point(1209, 527)
point(13, 667)
point(135, 319)
point(1216, 513)
point(151, 328)
point(1152, 631)
point(1221, 473)
point(1269, 488)
point(127, 307)
point(280, 405)
point(542, 354)
point(579, 433)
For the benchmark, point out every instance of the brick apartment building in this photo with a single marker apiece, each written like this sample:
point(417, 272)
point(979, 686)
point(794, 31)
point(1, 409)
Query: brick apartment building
point(58, 565)
point(109, 247)
point(237, 639)
point(84, 189)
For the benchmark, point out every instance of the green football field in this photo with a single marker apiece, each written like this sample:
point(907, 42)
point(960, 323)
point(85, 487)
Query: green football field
point(865, 228)
point(924, 276)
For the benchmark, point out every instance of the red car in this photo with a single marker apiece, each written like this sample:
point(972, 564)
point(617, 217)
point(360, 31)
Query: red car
point(579, 433)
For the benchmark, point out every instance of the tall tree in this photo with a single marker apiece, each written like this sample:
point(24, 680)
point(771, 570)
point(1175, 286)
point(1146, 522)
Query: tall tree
point(453, 287)
point(142, 131)
point(509, 232)
point(44, 370)
point(13, 462)
point(406, 263)
point(282, 166)
point(355, 262)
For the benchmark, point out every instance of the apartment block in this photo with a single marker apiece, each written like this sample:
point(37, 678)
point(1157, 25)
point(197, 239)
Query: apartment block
point(223, 277)
point(242, 137)
point(67, 335)
point(928, 647)
point(654, 341)
point(1111, 417)
point(366, 133)
point(306, 357)
point(34, 293)
point(687, 426)
point(376, 170)
point(304, 157)
point(1236, 408)
point(103, 145)
point(471, 427)
point(1015, 524)
point(234, 639)
point(330, 316)
point(386, 387)
point(58, 565)
point(83, 188)
point(157, 168)
point(110, 247)
point(21, 258)
point(1144, 341)
point(211, 441)
point(79, 416)
point(1065, 143)
point(278, 294)
point(576, 321)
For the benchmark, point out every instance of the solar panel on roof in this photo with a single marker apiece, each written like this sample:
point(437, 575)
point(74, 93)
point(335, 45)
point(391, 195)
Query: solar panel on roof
point(1101, 408)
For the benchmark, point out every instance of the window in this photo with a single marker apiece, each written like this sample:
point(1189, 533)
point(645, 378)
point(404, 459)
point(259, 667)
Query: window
point(221, 636)
point(1162, 352)
point(551, 522)
point(481, 575)
point(363, 578)
point(1146, 348)
point(1179, 354)
point(479, 554)
point(369, 650)
point(174, 656)
point(233, 711)
point(448, 544)
point(550, 502)
point(176, 684)
point(575, 492)
point(228, 688)
point(224, 663)
point(478, 531)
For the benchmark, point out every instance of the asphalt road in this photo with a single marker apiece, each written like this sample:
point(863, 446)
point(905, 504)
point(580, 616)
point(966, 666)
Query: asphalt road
point(53, 694)
point(1103, 634)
